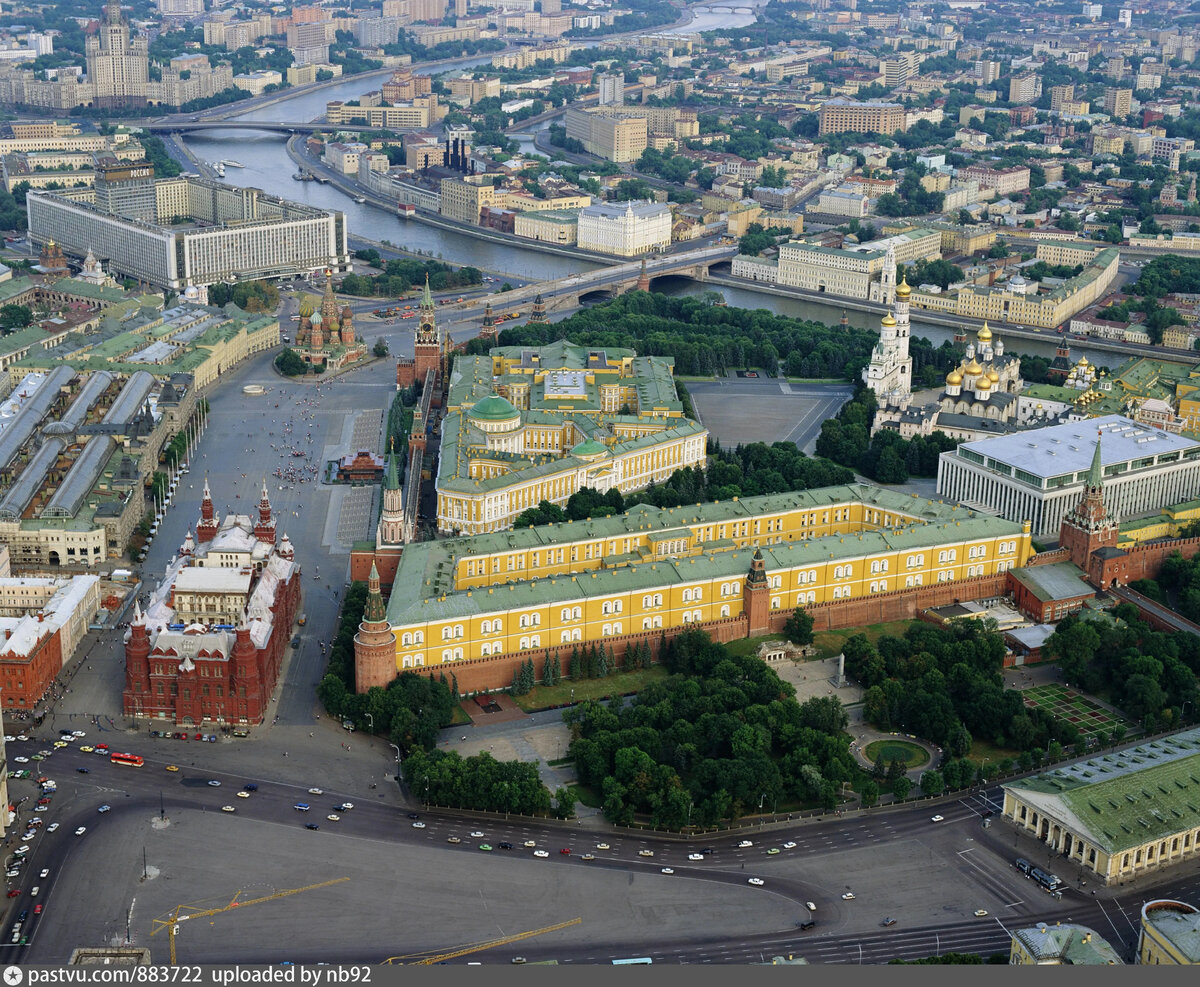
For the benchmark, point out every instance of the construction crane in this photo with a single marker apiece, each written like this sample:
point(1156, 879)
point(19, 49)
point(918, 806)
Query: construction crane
point(172, 923)
point(489, 944)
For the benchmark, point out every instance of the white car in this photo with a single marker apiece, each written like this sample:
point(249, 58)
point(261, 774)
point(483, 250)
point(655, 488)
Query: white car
point(603, 846)
point(938, 818)
point(78, 733)
point(667, 870)
point(52, 827)
point(695, 856)
point(758, 882)
point(21, 736)
point(81, 830)
point(9, 738)
point(45, 873)
point(21, 850)
point(214, 783)
point(541, 853)
point(21, 760)
point(347, 806)
point(228, 808)
point(789, 845)
point(315, 791)
point(476, 835)
point(531, 843)
point(105, 808)
point(744, 844)
point(333, 817)
point(848, 896)
point(33, 892)
point(243, 795)
point(812, 907)
point(418, 825)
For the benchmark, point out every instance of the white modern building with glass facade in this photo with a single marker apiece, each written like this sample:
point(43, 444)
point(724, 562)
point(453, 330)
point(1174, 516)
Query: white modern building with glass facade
point(1039, 475)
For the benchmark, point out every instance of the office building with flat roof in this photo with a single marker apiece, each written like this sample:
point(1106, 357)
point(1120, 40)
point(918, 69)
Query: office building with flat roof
point(1039, 475)
point(229, 234)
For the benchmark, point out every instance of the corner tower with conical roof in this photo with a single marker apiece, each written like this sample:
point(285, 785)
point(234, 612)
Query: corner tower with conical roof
point(375, 644)
point(1089, 527)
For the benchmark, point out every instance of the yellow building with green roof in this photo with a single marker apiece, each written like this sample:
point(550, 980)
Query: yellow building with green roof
point(654, 569)
point(530, 424)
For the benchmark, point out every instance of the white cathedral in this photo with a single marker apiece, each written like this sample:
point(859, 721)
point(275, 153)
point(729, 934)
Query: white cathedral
point(981, 397)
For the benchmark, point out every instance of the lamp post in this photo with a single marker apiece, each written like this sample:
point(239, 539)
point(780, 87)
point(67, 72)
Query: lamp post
point(397, 750)
point(761, 799)
point(370, 722)
point(427, 794)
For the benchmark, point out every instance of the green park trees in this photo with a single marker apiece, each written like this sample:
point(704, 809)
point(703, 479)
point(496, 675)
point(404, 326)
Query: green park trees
point(722, 735)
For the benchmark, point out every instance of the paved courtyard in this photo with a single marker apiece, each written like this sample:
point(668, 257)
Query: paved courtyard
point(739, 410)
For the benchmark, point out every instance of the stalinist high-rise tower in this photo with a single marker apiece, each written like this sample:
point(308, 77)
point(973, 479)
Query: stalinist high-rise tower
point(118, 66)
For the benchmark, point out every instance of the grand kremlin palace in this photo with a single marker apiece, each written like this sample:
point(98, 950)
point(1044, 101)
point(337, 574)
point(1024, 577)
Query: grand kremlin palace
point(540, 587)
point(525, 425)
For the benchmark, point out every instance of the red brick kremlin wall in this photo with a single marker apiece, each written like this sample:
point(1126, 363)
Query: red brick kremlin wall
point(496, 672)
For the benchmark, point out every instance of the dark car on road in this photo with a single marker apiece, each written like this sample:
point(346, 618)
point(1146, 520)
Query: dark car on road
point(311, 826)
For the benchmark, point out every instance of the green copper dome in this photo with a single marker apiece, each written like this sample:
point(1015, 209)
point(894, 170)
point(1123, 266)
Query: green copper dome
point(590, 447)
point(493, 409)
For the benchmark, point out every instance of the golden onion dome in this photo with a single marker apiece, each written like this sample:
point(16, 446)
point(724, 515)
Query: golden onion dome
point(985, 334)
point(889, 320)
point(983, 384)
point(973, 367)
point(954, 378)
point(993, 376)
point(1083, 361)
point(902, 289)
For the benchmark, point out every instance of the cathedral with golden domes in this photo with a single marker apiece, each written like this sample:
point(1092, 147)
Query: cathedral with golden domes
point(981, 396)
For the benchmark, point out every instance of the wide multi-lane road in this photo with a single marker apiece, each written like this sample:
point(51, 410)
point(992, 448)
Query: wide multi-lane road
point(928, 876)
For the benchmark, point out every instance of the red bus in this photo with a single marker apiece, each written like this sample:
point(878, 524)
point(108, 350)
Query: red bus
point(133, 760)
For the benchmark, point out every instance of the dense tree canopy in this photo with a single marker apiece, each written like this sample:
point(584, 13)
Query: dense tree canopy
point(945, 684)
point(1147, 673)
point(708, 339)
point(886, 457)
point(722, 735)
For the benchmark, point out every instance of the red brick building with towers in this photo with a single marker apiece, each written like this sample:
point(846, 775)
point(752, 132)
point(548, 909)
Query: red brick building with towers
point(209, 647)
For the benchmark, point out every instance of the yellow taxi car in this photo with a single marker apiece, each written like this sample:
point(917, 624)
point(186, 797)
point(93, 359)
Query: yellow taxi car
point(172, 767)
point(87, 750)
